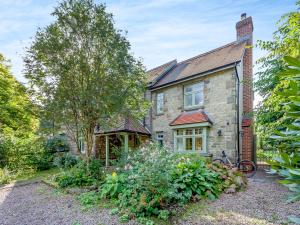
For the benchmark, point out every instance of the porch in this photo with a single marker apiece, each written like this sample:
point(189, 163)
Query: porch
point(128, 134)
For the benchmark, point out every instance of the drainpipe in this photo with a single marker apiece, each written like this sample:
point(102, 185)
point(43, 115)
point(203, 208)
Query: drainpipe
point(238, 111)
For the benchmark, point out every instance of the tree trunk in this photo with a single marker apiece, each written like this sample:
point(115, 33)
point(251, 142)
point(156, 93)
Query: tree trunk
point(89, 140)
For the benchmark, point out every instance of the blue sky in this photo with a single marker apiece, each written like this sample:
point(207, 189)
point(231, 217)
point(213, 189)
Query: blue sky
point(158, 30)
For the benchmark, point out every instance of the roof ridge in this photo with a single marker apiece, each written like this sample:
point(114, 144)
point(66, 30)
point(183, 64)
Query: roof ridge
point(174, 60)
point(209, 52)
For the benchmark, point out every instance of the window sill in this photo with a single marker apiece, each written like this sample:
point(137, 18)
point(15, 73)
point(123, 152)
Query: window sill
point(159, 114)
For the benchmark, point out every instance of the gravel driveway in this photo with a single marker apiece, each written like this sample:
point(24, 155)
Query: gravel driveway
point(37, 204)
point(263, 203)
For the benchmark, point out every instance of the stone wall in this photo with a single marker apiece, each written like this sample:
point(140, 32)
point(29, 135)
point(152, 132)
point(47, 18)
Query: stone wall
point(219, 105)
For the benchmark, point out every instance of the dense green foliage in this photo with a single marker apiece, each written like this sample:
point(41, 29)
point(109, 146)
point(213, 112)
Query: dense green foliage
point(270, 113)
point(21, 151)
point(155, 179)
point(82, 72)
point(81, 174)
point(17, 113)
point(287, 164)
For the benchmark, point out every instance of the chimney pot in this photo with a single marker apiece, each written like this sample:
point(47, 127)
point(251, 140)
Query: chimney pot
point(243, 16)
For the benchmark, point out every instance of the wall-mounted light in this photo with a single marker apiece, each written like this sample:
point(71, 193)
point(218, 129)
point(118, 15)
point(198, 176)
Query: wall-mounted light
point(219, 133)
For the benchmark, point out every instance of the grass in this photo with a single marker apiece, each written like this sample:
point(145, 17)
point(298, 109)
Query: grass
point(45, 174)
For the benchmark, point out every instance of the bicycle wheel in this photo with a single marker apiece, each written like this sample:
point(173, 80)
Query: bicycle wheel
point(247, 167)
point(218, 161)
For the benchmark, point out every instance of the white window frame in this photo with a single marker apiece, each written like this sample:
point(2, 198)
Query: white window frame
point(193, 93)
point(160, 103)
point(203, 135)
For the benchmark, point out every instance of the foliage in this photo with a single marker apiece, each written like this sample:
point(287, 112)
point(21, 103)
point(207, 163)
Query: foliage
point(81, 70)
point(288, 162)
point(232, 180)
point(5, 176)
point(65, 160)
point(82, 174)
point(20, 154)
point(17, 113)
point(89, 199)
point(191, 177)
point(270, 113)
point(57, 144)
point(155, 178)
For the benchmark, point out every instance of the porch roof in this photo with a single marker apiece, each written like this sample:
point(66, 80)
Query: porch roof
point(125, 124)
point(190, 117)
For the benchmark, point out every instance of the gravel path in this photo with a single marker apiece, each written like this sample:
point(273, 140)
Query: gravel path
point(37, 204)
point(264, 202)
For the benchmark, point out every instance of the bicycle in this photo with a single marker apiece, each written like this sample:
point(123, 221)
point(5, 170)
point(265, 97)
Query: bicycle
point(248, 167)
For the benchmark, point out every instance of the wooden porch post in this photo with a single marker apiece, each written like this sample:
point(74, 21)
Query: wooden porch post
point(106, 150)
point(126, 143)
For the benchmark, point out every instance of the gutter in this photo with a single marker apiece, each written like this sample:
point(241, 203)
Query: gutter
point(238, 112)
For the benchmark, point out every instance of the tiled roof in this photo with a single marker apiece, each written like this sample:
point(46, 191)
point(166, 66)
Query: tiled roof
point(190, 117)
point(155, 73)
point(217, 58)
point(125, 124)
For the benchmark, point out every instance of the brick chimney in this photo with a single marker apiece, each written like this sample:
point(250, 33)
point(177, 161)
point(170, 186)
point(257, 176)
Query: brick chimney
point(244, 30)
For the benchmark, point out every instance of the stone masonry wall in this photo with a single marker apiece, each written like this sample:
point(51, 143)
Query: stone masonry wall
point(219, 105)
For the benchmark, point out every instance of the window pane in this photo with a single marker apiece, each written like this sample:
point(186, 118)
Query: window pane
point(188, 89)
point(198, 98)
point(197, 87)
point(179, 132)
point(179, 144)
point(198, 143)
point(198, 131)
point(188, 100)
point(160, 102)
point(189, 144)
point(189, 132)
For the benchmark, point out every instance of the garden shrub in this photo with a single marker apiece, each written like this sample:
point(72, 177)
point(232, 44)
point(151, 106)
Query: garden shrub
point(82, 174)
point(192, 178)
point(231, 179)
point(154, 179)
point(65, 160)
point(5, 176)
point(57, 143)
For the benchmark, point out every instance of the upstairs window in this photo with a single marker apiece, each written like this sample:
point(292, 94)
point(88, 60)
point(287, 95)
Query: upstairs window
point(193, 95)
point(160, 103)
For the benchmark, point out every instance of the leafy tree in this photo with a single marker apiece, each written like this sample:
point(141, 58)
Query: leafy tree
point(17, 113)
point(287, 164)
point(270, 116)
point(81, 69)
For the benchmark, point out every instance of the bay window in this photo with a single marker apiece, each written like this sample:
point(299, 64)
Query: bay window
point(190, 139)
point(193, 95)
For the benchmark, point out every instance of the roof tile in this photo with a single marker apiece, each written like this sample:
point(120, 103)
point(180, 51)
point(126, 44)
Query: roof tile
point(190, 117)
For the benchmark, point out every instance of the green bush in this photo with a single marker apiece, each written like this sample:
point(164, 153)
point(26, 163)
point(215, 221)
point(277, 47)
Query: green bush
point(19, 155)
point(57, 143)
point(82, 174)
point(154, 179)
point(65, 160)
point(192, 178)
point(5, 176)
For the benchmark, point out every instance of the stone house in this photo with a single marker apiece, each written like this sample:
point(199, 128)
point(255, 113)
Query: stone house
point(202, 104)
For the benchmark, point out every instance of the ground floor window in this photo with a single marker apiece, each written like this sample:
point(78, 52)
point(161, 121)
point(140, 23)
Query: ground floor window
point(190, 139)
point(160, 138)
